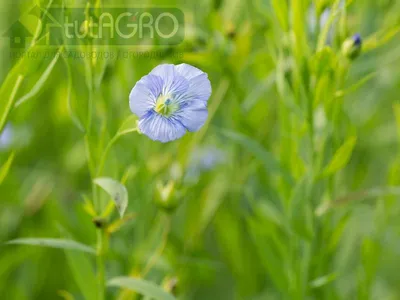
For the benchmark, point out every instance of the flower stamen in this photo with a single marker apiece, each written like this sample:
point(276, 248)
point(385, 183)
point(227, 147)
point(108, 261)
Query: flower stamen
point(165, 106)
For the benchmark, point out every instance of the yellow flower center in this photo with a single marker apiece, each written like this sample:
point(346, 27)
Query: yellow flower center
point(165, 106)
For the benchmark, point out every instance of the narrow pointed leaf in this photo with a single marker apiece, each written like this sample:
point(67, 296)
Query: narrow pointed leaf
point(83, 272)
point(116, 190)
point(41, 82)
point(141, 286)
point(270, 162)
point(323, 280)
point(8, 94)
point(357, 196)
point(341, 157)
point(72, 113)
point(53, 243)
point(6, 167)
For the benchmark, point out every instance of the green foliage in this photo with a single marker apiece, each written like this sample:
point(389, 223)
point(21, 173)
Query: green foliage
point(5, 168)
point(52, 243)
point(341, 157)
point(144, 287)
point(301, 204)
point(117, 191)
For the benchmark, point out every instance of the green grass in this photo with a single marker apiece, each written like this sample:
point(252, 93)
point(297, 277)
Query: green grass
point(304, 205)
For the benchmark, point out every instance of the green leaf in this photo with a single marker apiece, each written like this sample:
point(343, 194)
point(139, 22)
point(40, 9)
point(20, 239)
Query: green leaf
point(6, 167)
point(41, 82)
point(371, 252)
point(259, 90)
point(53, 243)
point(73, 115)
point(298, 12)
point(9, 88)
point(338, 231)
point(116, 190)
point(341, 157)
point(380, 38)
point(301, 214)
point(269, 212)
point(84, 274)
point(323, 280)
point(8, 93)
point(281, 10)
point(357, 196)
point(141, 286)
point(356, 85)
point(323, 61)
point(267, 245)
point(271, 164)
point(323, 36)
point(396, 110)
point(82, 270)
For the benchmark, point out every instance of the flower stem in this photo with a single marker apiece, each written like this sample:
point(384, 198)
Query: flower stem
point(156, 255)
point(105, 153)
point(108, 148)
point(101, 249)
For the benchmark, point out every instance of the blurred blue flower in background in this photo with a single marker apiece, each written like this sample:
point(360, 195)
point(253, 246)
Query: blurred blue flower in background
point(15, 136)
point(170, 101)
point(203, 160)
point(6, 137)
point(322, 21)
point(312, 19)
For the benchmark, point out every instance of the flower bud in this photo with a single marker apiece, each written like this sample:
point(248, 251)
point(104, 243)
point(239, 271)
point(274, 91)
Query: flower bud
point(351, 47)
point(170, 284)
point(165, 196)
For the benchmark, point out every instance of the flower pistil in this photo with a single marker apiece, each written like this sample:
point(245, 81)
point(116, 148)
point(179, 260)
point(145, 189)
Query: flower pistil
point(165, 105)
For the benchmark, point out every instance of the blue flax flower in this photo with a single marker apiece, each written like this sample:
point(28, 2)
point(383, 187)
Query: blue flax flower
point(170, 101)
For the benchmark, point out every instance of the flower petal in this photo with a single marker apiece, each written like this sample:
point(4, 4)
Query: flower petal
point(188, 71)
point(166, 71)
point(144, 94)
point(178, 86)
point(174, 83)
point(200, 88)
point(192, 115)
point(199, 85)
point(160, 128)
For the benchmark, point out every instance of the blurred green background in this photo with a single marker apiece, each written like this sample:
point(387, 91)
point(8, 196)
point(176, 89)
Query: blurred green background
point(288, 192)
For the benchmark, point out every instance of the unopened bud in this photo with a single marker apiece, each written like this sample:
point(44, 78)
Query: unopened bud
point(165, 196)
point(351, 47)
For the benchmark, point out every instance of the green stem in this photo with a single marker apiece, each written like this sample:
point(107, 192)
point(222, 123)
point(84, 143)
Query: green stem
point(101, 249)
point(156, 255)
point(120, 133)
point(101, 274)
point(311, 132)
point(105, 153)
point(10, 103)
